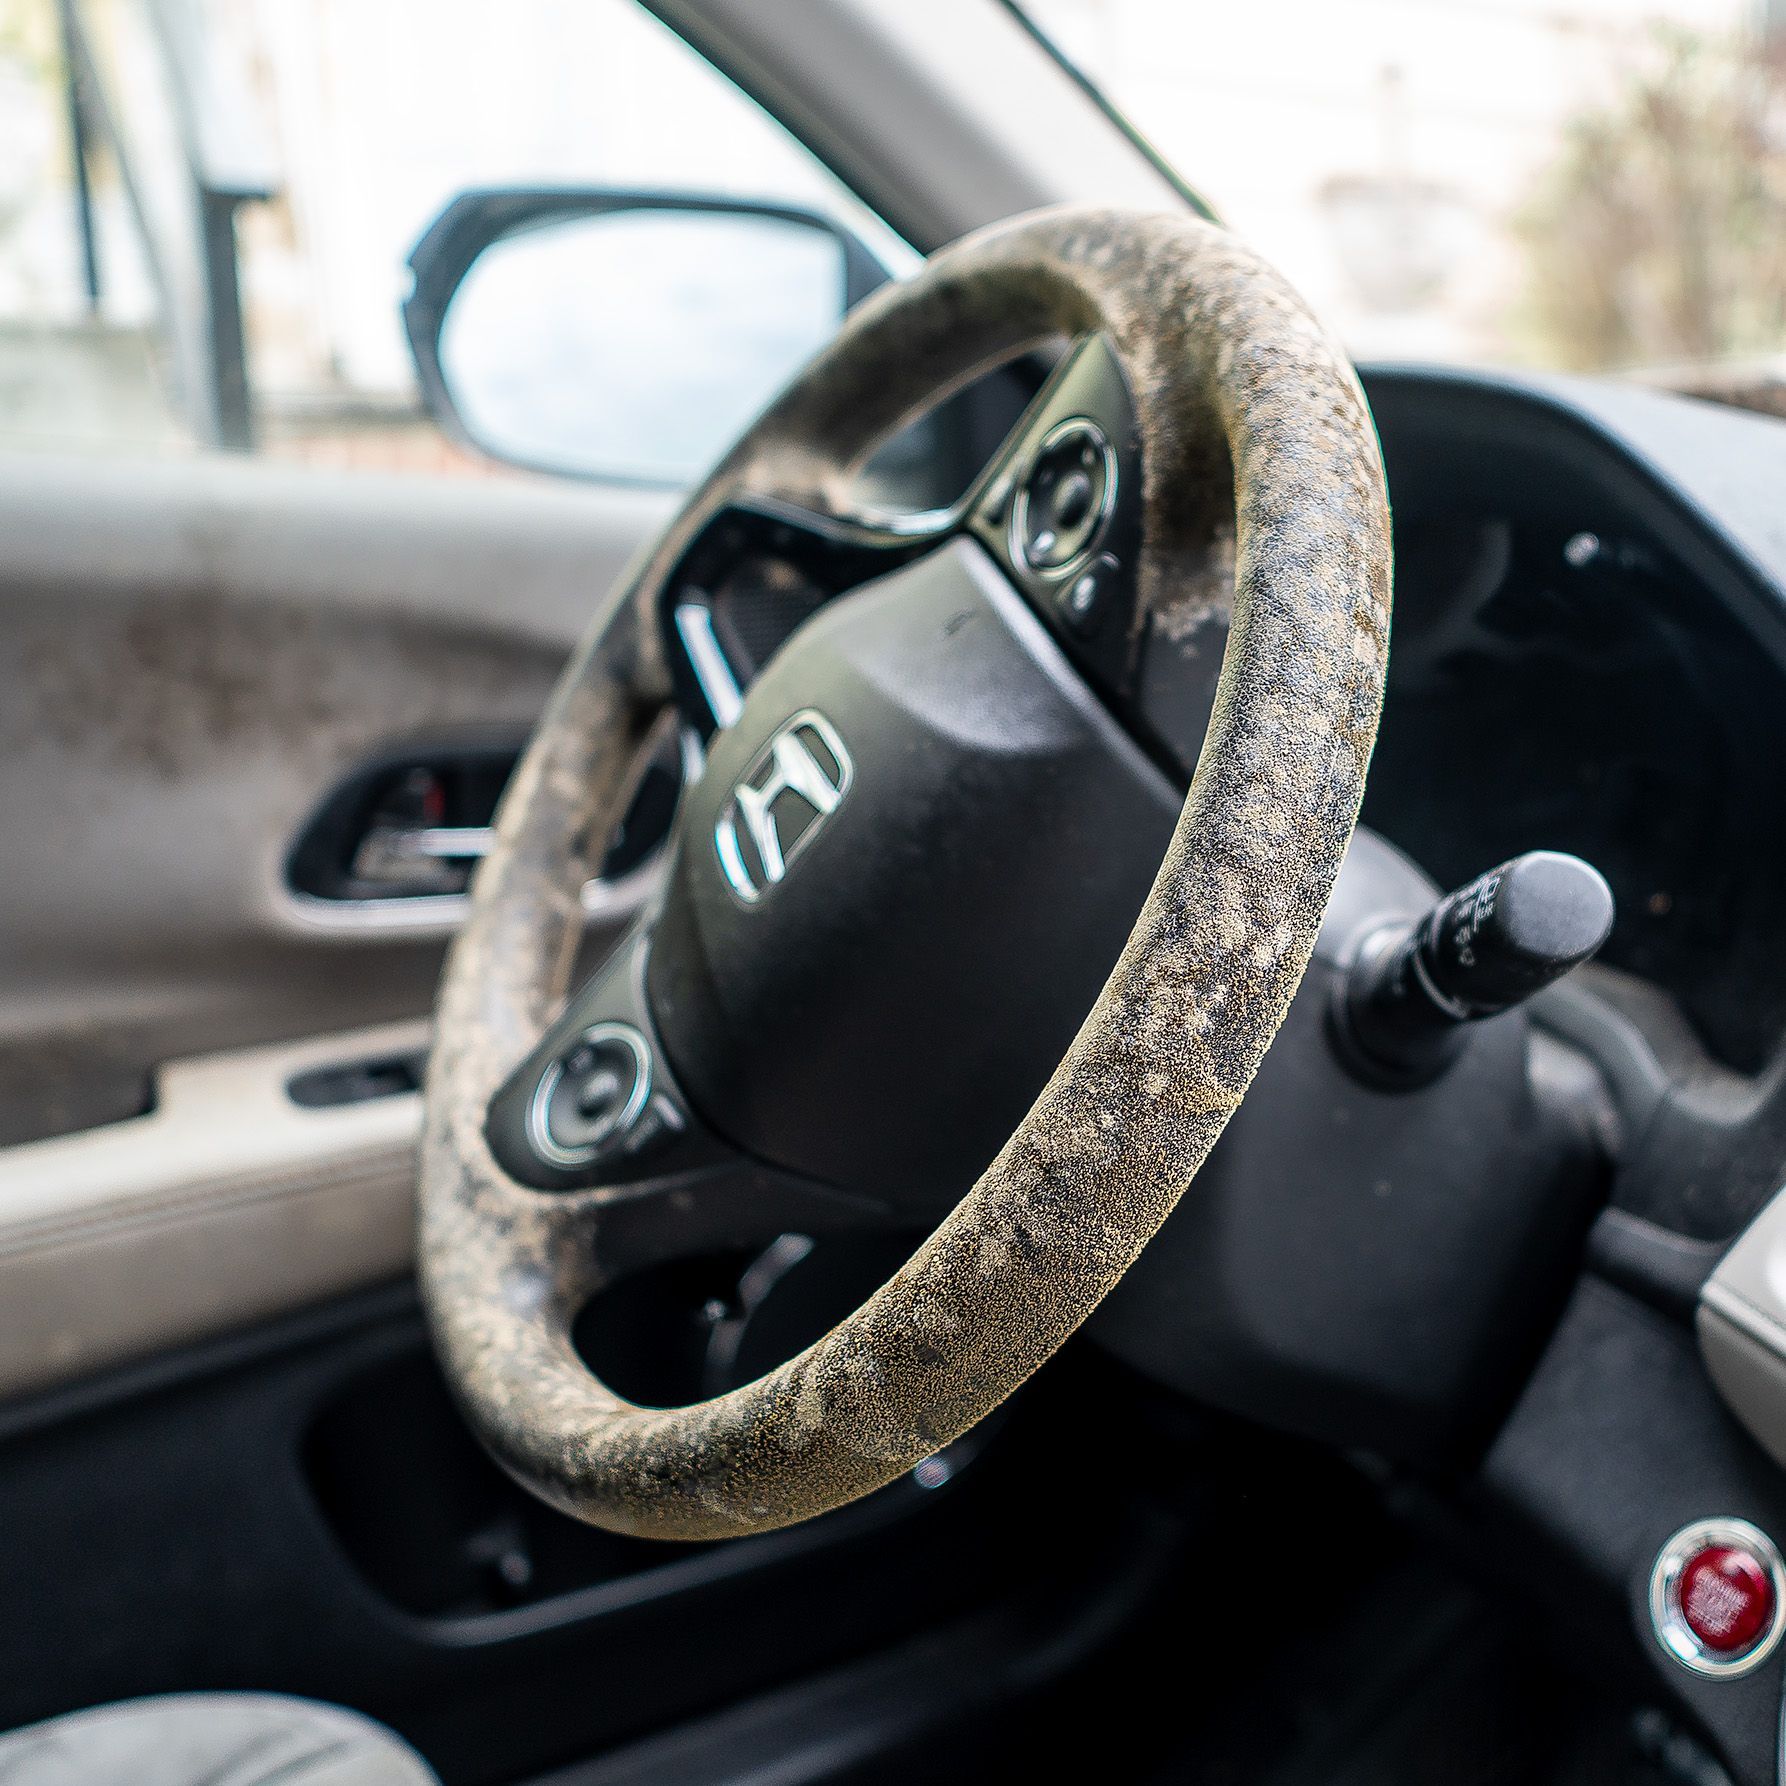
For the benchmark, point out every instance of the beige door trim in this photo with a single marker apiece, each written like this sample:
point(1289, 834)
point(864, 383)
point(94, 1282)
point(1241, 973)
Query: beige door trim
point(227, 1204)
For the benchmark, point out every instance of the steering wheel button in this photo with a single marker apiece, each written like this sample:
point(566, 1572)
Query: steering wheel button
point(1715, 1596)
point(1073, 498)
point(591, 1097)
point(1084, 600)
point(600, 1094)
point(1065, 499)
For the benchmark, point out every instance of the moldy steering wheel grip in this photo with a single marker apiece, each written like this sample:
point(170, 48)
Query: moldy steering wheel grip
point(1244, 406)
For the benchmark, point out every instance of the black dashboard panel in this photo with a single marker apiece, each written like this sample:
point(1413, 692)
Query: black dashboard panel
point(1579, 664)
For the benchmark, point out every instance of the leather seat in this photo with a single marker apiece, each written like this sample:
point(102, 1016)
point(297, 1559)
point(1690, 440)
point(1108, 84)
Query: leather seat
point(211, 1739)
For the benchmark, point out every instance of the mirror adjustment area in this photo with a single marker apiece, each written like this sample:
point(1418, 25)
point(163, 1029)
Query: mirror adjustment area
point(1715, 1596)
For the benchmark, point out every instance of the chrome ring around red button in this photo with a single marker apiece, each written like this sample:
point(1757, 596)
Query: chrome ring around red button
point(1717, 1593)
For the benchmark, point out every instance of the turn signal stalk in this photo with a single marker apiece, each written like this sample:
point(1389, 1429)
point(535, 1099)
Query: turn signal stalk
point(1406, 1004)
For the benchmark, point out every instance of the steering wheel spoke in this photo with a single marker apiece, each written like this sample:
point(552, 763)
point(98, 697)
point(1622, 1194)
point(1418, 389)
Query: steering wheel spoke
point(758, 569)
point(731, 1202)
point(594, 1102)
point(596, 1117)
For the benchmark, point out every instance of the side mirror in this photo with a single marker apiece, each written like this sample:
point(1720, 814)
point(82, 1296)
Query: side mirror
point(620, 335)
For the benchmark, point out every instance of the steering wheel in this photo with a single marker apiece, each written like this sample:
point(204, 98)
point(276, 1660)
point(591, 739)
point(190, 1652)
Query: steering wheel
point(919, 838)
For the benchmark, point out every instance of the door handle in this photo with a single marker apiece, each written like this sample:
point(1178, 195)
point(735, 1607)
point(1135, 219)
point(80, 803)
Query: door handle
point(413, 825)
point(440, 843)
point(420, 858)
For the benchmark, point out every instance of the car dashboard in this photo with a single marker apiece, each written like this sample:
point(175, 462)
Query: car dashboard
point(1573, 669)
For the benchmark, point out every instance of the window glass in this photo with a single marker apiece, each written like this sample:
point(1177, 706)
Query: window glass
point(79, 360)
point(323, 136)
point(1569, 183)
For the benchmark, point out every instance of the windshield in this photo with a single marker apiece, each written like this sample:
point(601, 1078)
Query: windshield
point(1575, 184)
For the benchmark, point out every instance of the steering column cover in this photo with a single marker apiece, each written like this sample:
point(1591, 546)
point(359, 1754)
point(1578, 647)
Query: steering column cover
point(1241, 397)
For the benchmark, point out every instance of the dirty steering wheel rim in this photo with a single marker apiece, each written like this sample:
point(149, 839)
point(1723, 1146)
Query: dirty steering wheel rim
point(1241, 399)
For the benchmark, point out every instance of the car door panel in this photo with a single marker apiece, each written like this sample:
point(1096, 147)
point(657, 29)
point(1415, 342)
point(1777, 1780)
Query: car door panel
point(229, 1202)
point(194, 654)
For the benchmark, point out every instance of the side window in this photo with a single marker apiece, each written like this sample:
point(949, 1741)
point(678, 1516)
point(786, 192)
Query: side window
point(208, 210)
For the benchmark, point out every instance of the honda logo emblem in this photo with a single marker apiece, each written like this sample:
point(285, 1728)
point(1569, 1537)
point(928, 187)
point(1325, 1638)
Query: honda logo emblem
point(796, 783)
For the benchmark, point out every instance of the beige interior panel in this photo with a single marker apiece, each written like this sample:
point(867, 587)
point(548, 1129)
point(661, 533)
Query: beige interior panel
point(229, 1203)
point(1742, 1326)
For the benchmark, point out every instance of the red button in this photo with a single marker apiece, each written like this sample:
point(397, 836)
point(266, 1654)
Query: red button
point(1726, 1598)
